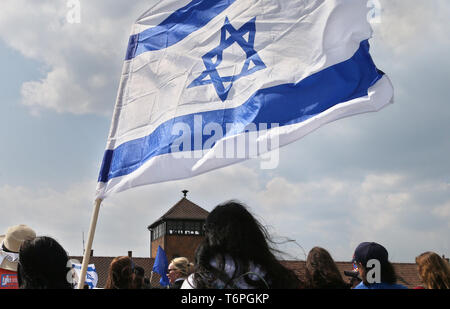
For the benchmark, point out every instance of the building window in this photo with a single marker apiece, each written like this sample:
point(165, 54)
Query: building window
point(180, 227)
point(170, 228)
point(175, 227)
point(159, 231)
point(198, 228)
point(189, 228)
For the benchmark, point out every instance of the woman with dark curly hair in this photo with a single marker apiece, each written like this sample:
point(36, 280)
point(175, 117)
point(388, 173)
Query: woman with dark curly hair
point(120, 274)
point(236, 254)
point(43, 264)
point(322, 271)
point(434, 271)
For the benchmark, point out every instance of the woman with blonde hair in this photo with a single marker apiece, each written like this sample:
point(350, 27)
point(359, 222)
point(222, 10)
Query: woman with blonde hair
point(433, 270)
point(179, 269)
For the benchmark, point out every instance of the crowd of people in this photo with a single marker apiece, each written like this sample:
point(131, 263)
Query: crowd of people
point(237, 253)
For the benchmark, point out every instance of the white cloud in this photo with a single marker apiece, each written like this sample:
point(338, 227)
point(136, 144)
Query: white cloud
point(331, 213)
point(61, 215)
point(380, 182)
point(443, 211)
point(338, 214)
point(83, 61)
point(406, 24)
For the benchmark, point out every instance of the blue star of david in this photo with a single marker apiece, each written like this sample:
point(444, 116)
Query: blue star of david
point(213, 58)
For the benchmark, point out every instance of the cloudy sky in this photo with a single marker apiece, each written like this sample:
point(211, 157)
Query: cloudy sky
point(381, 177)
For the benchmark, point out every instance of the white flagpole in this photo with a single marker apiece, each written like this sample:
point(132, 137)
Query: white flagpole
point(87, 252)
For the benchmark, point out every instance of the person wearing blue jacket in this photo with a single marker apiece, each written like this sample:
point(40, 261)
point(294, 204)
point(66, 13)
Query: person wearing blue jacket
point(371, 260)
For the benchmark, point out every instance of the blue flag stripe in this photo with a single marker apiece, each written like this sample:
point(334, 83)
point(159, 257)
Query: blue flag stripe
point(88, 269)
point(283, 104)
point(176, 27)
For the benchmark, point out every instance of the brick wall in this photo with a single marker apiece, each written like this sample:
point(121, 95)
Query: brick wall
point(155, 244)
point(176, 245)
point(182, 246)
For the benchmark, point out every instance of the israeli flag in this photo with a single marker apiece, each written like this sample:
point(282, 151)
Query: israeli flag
point(91, 274)
point(206, 84)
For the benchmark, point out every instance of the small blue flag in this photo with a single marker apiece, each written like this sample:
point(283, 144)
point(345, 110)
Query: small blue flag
point(160, 266)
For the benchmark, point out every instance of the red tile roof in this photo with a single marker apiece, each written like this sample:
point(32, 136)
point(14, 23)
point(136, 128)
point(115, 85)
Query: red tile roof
point(407, 273)
point(184, 209)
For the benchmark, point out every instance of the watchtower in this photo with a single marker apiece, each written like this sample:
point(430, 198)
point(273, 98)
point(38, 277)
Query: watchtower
point(179, 231)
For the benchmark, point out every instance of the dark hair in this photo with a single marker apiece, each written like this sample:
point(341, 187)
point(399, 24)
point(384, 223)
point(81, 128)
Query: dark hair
point(43, 264)
point(120, 274)
point(138, 278)
point(322, 271)
point(139, 271)
point(232, 231)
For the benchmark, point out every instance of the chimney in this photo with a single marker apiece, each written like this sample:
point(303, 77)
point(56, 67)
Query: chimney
point(130, 254)
point(92, 252)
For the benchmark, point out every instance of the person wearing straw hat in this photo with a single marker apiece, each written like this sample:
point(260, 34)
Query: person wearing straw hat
point(9, 254)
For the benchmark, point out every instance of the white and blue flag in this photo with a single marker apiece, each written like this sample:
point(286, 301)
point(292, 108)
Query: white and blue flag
point(91, 274)
point(201, 75)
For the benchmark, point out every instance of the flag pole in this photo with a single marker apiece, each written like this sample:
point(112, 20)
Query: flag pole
point(87, 252)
